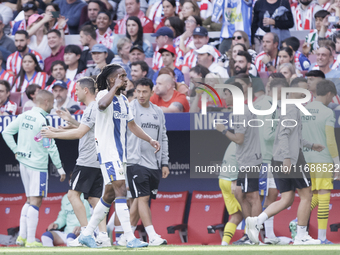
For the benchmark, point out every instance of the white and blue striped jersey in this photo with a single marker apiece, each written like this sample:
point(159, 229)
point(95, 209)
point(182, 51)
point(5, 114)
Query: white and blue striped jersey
point(111, 129)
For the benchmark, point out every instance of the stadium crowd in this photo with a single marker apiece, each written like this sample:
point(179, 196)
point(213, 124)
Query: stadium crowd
point(255, 42)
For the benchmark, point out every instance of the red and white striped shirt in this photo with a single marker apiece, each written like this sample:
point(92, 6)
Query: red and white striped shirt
point(157, 61)
point(39, 78)
point(65, 28)
point(106, 39)
point(6, 76)
point(15, 59)
point(335, 65)
point(71, 85)
point(147, 24)
point(260, 67)
point(9, 107)
point(206, 8)
point(190, 59)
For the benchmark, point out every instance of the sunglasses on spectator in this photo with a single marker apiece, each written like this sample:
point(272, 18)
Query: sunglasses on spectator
point(28, 5)
point(190, 21)
point(236, 37)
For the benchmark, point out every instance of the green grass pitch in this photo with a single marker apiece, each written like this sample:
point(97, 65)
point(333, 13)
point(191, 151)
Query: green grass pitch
point(183, 250)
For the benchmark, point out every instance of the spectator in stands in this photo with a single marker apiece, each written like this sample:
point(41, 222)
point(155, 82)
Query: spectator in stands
point(104, 32)
point(198, 72)
point(206, 56)
point(133, 9)
point(206, 8)
point(72, 55)
point(67, 220)
point(31, 93)
point(21, 40)
point(137, 54)
point(304, 13)
point(190, 8)
point(139, 69)
point(55, 42)
point(321, 30)
point(285, 56)
point(4, 75)
point(168, 54)
point(58, 71)
point(30, 73)
point(130, 94)
point(288, 70)
point(242, 66)
point(181, 87)
point(56, 23)
point(261, 25)
point(186, 39)
point(62, 100)
point(267, 59)
point(324, 61)
point(177, 26)
point(71, 9)
point(122, 11)
point(168, 99)
point(93, 8)
point(6, 15)
point(99, 55)
point(164, 36)
point(240, 36)
point(169, 9)
point(301, 61)
point(29, 9)
point(123, 48)
point(229, 63)
point(5, 42)
point(88, 38)
point(7, 107)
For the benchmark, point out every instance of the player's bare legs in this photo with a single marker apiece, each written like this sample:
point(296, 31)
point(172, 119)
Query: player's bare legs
point(303, 212)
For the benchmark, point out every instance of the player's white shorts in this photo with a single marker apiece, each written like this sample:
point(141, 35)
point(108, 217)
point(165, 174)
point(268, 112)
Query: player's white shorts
point(113, 171)
point(35, 182)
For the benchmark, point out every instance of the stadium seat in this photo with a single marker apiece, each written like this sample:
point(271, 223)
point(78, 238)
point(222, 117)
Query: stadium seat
point(19, 110)
point(24, 99)
point(10, 209)
point(167, 210)
point(15, 97)
point(148, 61)
point(207, 208)
point(154, 46)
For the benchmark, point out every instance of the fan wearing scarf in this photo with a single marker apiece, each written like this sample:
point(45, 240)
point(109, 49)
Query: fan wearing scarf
point(304, 13)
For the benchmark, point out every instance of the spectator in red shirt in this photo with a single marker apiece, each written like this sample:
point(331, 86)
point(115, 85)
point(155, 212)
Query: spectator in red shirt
point(169, 9)
point(7, 107)
point(55, 41)
point(166, 97)
point(133, 9)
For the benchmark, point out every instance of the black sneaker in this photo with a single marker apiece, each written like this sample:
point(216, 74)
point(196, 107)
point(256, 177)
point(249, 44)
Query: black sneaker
point(244, 240)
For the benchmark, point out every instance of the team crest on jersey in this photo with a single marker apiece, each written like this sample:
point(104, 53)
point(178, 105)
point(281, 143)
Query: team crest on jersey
point(7, 210)
point(167, 208)
point(47, 210)
point(207, 208)
point(155, 116)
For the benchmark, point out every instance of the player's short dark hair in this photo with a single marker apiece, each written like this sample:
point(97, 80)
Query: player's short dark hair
point(246, 55)
point(89, 30)
point(292, 42)
point(130, 92)
point(87, 82)
point(296, 81)
point(55, 31)
point(325, 86)
point(199, 69)
point(6, 84)
point(321, 14)
point(102, 82)
point(22, 32)
point(143, 65)
point(144, 82)
point(71, 48)
point(100, 4)
point(236, 84)
point(30, 90)
point(58, 62)
point(278, 82)
point(316, 73)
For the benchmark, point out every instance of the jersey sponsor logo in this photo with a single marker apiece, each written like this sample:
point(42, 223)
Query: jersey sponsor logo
point(149, 125)
point(119, 115)
point(24, 155)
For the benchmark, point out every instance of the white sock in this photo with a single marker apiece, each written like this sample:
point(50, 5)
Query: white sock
point(99, 213)
point(82, 229)
point(224, 243)
point(102, 234)
point(151, 232)
point(32, 222)
point(301, 231)
point(23, 221)
point(69, 238)
point(119, 232)
point(47, 241)
point(133, 228)
point(269, 227)
point(262, 218)
point(124, 217)
point(322, 234)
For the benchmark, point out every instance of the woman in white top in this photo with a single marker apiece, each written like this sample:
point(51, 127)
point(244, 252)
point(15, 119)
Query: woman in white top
point(186, 42)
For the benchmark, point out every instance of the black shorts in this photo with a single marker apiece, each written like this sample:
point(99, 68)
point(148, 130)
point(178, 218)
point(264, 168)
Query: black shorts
point(143, 181)
point(88, 180)
point(298, 178)
point(249, 179)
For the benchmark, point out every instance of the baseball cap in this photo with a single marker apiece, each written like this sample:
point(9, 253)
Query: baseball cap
point(164, 31)
point(137, 47)
point(202, 31)
point(34, 18)
point(207, 49)
point(99, 48)
point(169, 48)
point(60, 83)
